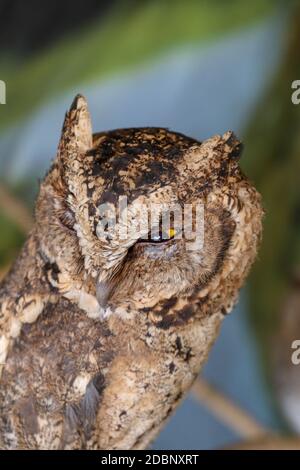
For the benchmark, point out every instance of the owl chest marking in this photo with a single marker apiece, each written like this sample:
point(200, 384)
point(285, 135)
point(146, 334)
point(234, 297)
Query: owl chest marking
point(14, 314)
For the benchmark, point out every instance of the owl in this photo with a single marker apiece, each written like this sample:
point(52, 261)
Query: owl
point(142, 240)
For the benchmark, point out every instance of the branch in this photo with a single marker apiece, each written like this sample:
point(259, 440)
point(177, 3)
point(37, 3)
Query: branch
point(226, 411)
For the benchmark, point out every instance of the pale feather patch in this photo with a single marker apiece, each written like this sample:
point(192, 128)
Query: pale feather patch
point(85, 301)
point(15, 327)
point(33, 308)
point(4, 343)
point(80, 383)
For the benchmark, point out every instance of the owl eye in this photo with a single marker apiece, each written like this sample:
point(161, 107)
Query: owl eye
point(160, 237)
point(67, 219)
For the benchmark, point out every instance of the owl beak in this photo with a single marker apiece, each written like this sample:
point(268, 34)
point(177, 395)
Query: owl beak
point(103, 292)
point(105, 286)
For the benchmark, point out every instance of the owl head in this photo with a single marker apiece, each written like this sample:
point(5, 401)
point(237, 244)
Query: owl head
point(146, 219)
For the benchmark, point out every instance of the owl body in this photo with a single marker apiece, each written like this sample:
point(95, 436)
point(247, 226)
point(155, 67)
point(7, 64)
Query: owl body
point(82, 383)
point(102, 334)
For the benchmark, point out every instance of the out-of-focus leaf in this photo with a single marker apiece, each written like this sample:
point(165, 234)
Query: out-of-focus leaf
point(127, 37)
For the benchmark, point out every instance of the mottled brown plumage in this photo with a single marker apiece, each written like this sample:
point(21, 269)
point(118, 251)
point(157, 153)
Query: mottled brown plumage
point(101, 337)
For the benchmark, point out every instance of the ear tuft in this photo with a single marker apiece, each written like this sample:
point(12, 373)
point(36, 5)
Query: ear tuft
point(78, 102)
point(80, 120)
point(234, 147)
point(77, 136)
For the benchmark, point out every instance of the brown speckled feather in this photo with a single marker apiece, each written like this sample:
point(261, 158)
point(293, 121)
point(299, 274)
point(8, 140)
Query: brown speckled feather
point(101, 337)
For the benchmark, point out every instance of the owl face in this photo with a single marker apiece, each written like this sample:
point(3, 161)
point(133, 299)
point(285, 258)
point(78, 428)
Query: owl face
point(145, 214)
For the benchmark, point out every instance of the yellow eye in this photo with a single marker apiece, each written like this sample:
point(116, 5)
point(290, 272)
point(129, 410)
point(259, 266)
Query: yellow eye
point(161, 236)
point(171, 232)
